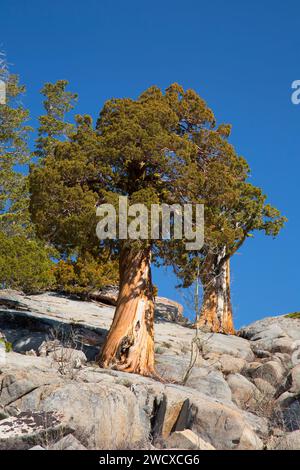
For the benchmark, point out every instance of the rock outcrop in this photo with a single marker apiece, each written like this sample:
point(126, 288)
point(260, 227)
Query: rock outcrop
point(240, 392)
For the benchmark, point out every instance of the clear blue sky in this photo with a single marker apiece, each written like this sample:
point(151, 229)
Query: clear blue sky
point(241, 56)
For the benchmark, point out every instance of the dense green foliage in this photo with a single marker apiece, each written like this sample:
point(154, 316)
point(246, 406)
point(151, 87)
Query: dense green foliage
point(24, 264)
point(85, 275)
point(24, 261)
point(14, 152)
point(160, 148)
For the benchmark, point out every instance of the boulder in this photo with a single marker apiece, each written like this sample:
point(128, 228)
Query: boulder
point(68, 442)
point(223, 344)
point(264, 387)
point(169, 310)
point(224, 427)
point(271, 328)
point(209, 382)
point(21, 431)
point(172, 408)
point(293, 380)
point(187, 440)
point(290, 411)
point(105, 415)
point(231, 364)
point(272, 332)
point(16, 383)
point(271, 371)
point(290, 441)
point(251, 368)
point(244, 393)
point(171, 367)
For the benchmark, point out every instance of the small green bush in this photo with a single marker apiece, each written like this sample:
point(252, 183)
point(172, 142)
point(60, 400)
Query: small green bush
point(293, 315)
point(84, 275)
point(25, 264)
point(8, 346)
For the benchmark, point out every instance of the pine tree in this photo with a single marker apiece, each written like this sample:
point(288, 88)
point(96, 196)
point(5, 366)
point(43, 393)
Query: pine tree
point(14, 155)
point(24, 260)
point(53, 125)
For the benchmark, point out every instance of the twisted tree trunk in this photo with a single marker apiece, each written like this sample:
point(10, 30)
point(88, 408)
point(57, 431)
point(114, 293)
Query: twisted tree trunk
point(129, 345)
point(216, 312)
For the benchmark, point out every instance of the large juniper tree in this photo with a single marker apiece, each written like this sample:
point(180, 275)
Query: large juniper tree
point(234, 209)
point(160, 148)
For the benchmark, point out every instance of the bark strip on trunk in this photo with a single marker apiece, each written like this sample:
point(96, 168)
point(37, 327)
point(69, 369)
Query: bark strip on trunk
point(129, 345)
point(216, 312)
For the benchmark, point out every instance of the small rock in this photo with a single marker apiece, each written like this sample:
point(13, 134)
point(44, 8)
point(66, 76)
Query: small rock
point(284, 358)
point(73, 357)
point(231, 365)
point(290, 441)
point(37, 448)
point(294, 379)
point(68, 442)
point(264, 387)
point(249, 440)
point(251, 369)
point(49, 346)
point(272, 372)
point(187, 440)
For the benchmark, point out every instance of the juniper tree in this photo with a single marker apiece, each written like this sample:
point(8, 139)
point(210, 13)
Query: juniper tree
point(234, 209)
point(159, 148)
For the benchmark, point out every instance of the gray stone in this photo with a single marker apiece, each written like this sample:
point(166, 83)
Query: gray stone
point(171, 367)
point(69, 356)
point(274, 331)
point(264, 387)
point(210, 383)
point(224, 427)
point(244, 393)
point(251, 368)
point(187, 440)
point(231, 365)
point(222, 344)
point(290, 441)
point(107, 416)
point(272, 372)
point(290, 411)
point(68, 442)
point(294, 380)
point(29, 427)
